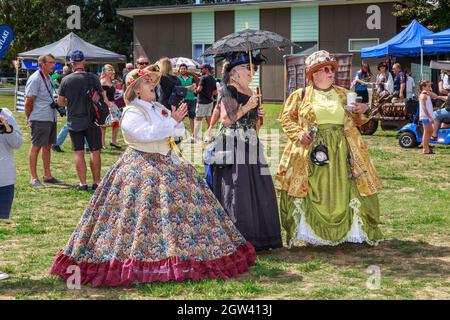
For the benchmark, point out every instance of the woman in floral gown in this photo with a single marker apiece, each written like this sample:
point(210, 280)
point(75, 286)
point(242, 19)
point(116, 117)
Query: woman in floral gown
point(153, 218)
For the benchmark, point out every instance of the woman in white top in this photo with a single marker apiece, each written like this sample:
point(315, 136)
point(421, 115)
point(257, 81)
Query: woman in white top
point(384, 81)
point(153, 218)
point(10, 139)
point(426, 113)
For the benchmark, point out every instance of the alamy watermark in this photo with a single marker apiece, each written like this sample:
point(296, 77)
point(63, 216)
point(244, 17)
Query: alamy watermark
point(74, 280)
point(74, 20)
point(374, 280)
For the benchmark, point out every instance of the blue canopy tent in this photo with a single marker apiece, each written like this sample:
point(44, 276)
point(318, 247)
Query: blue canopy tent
point(406, 43)
point(439, 42)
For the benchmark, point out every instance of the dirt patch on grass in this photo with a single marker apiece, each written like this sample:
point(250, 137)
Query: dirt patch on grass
point(407, 190)
point(444, 185)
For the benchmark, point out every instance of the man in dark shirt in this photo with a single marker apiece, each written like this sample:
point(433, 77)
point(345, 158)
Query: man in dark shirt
point(399, 81)
point(205, 101)
point(80, 118)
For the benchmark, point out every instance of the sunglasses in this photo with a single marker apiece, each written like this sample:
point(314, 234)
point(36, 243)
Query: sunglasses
point(143, 63)
point(255, 68)
point(327, 70)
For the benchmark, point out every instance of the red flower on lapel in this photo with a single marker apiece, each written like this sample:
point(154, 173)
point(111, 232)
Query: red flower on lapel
point(164, 113)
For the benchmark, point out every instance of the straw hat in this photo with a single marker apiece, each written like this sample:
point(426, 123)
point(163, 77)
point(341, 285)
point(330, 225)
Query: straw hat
point(151, 71)
point(318, 60)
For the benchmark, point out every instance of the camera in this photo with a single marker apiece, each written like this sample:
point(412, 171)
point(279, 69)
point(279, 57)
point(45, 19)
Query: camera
point(2, 126)
point(61, 111)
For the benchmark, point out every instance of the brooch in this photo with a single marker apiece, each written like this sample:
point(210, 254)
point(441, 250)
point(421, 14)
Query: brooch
point(319, 155)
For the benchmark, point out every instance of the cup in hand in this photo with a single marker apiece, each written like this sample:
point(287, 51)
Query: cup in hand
point(351, 98)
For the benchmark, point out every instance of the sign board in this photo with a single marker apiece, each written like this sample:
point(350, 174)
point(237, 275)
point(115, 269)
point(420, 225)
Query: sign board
point(295, 74)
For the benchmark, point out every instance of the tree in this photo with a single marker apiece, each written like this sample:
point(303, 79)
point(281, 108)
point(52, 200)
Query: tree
point(40, 22)
point(433, 14)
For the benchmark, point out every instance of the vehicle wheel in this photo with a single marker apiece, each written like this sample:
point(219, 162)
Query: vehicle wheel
point(369, 128)
point(407, 140)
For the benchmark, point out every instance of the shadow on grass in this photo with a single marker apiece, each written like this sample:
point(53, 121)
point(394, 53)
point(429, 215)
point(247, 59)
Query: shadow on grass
point(404, 259)
point(54, 288)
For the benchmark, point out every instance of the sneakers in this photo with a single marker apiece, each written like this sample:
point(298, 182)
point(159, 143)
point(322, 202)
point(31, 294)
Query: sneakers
point(35, 183)
point(52, 180)
point(57, 148)
point(83, 187)
point(3, 276)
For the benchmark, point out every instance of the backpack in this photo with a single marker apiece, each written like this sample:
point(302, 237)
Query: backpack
point(97, 106)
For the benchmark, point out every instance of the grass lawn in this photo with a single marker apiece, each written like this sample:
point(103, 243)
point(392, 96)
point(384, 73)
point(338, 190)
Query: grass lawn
point(414, 260)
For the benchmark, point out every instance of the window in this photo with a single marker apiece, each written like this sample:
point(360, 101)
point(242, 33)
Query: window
point(355, 45)
point(307, 47)
point(197, 51)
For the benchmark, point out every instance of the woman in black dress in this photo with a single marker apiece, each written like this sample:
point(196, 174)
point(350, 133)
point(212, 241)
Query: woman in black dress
point(242, 181)
point(167, 83)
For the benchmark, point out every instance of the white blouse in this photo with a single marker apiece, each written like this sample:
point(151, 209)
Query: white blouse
point(161, 127)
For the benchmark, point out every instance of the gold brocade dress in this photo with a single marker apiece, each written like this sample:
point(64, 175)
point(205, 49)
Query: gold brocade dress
point(333, 210)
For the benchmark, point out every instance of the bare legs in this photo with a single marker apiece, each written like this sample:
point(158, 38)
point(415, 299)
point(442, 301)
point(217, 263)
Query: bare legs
point(81, 168)
point(427, 131)
point(33, 155)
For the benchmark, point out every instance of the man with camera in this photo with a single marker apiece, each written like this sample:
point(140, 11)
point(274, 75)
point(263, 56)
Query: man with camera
point(41, 111)
point(73, 93)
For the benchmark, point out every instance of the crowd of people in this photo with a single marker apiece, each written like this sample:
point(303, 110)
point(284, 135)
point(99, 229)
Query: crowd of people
point(402, 86)
point(152, 217)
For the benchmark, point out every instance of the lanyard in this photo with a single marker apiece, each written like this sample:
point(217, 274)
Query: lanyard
point(45, 83)
point(48, 90)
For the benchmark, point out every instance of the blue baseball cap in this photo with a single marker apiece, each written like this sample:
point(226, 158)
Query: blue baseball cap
point(77, 56)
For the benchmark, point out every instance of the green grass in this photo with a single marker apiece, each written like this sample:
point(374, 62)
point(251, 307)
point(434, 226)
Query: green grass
point(414, 260)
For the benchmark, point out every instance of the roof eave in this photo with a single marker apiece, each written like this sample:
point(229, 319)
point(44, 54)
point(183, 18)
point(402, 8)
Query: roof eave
point(158, 10)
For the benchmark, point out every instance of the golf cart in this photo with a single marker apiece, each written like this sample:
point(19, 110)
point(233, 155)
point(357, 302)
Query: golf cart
point(410, 135)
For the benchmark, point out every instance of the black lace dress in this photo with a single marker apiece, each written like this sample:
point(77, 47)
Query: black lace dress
point(245, 188)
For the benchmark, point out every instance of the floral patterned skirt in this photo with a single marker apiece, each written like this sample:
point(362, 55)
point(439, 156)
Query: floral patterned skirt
point(153, 218)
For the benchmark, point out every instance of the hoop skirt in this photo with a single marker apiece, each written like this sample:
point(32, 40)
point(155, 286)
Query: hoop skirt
point(153, 218)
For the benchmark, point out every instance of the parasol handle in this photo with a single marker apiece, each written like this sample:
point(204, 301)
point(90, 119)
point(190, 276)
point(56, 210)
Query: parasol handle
point(258, 91)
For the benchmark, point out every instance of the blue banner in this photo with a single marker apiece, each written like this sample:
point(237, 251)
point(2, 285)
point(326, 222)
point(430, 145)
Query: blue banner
point(33, 65)
point(6, 37)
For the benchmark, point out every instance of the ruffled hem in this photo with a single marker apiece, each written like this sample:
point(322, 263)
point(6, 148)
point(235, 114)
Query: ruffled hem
point(355, 235)
point(123, 273)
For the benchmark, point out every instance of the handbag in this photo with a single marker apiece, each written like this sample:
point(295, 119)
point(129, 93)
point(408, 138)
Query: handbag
point(177, 96)
point(215, 154)
point(114, 116)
